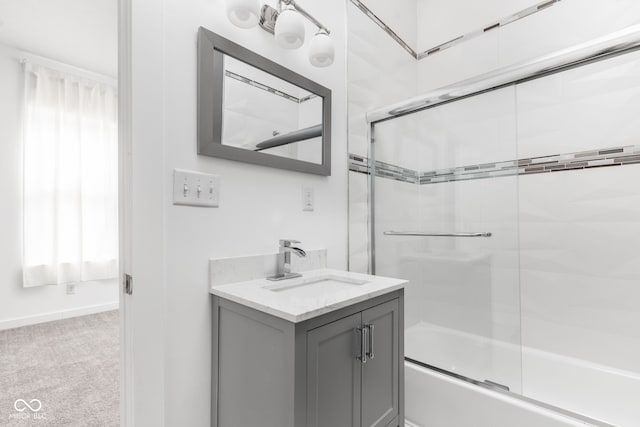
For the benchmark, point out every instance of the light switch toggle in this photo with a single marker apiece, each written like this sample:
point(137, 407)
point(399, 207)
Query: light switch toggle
point(195, 189)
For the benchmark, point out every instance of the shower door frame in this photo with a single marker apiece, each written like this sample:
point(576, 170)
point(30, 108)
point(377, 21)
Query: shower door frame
point(615, 44)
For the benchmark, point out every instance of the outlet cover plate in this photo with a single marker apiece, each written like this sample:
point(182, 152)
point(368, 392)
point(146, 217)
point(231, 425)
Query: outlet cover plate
point(308, 202)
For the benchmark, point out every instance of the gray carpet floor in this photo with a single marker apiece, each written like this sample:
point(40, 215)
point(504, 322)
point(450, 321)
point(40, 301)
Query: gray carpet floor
point(72, 366)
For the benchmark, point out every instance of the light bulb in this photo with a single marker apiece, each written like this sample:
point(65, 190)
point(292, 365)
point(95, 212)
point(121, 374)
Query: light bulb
point(243, 13)
point(321, 51)
point(289, 29)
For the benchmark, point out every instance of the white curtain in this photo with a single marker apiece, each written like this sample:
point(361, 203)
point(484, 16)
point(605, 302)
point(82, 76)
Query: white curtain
point(70, 178)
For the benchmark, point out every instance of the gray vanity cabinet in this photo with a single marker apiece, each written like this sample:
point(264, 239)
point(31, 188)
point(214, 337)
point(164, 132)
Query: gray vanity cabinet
point(380, 375)
point(342, 390)
point(334, 374)
point(269, 372)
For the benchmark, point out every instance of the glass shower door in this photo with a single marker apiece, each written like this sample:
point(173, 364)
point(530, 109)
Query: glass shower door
point(445, 217)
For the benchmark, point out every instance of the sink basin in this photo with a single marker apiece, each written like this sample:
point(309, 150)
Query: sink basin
point(314, 287)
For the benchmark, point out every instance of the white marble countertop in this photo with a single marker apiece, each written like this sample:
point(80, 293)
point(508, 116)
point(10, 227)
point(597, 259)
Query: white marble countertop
point(296, 306)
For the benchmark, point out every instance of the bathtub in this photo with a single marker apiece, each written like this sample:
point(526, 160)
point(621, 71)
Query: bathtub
point(433, 399)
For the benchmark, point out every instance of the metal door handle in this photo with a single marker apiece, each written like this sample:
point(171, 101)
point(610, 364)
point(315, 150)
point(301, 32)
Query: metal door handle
point(369, 353)
point(424, 234)
point(362, 357)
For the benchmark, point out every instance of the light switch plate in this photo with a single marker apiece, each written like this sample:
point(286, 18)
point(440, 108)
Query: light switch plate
point(195, 189)
point(308, 202)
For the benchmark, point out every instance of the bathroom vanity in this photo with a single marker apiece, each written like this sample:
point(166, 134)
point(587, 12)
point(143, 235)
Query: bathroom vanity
point(321, 350)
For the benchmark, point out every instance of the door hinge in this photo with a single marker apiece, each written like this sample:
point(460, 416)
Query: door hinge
point(128, 284)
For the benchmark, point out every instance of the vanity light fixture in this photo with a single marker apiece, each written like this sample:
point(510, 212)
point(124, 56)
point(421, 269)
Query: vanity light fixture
point(289, 29)
point(243, 13)
point(286, 25)
point(321, 50)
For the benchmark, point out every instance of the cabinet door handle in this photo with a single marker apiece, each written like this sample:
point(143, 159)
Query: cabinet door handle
point(370, 352)
point(362, 357)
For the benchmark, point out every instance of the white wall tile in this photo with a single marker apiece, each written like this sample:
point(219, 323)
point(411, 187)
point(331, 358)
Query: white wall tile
point(440, 22)
point(473, 131)
point(399, 15)
point(471, 58)
point(358, 223)
point(582, 109)
point(565, 24)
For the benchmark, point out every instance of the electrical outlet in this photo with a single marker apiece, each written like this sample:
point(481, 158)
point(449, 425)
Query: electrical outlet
point(307, 199)
point(71, 288)
point(196, 189)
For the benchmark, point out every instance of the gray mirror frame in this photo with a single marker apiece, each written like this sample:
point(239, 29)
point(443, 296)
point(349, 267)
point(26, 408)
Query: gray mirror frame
point(211, 48)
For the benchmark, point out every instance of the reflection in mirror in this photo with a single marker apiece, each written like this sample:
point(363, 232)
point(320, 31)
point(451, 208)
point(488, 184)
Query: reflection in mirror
point(253, 110)
point(264, 113)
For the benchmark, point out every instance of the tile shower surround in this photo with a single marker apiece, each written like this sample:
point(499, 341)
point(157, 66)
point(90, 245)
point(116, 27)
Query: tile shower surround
point(616, 156)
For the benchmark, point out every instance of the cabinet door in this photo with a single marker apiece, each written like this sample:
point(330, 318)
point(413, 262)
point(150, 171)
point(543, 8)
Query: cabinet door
point(380, 373)
point(333, 374)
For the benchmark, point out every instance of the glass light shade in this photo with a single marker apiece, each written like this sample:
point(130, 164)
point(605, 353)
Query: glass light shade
point(289, 30)
point(243, 13)
point(321, 51)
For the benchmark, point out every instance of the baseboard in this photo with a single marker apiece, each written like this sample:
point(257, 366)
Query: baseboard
point(57, 315)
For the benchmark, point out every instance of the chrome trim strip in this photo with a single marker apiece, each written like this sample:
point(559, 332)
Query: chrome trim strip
point(500, 23)
point(617, 43)
point(267, 88)
point(497, 389)
point(372, 200)
point(463, 38)
point(364, 9)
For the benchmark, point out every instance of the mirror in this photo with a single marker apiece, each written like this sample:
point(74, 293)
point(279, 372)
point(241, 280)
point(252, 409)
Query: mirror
point(253, 110)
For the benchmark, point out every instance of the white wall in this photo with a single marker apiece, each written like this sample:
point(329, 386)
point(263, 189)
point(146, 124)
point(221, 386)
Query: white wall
point(258, 205)
point(20, 306)
point(83, 33)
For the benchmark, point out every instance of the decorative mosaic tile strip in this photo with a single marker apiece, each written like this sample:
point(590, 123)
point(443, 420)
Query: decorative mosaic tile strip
point(501, 23)
point(360, 164)
point(616, 156)
point(364, 9)
point(269, 89)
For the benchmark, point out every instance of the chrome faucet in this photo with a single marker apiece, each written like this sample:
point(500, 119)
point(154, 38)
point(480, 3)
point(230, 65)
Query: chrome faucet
point(284, 260)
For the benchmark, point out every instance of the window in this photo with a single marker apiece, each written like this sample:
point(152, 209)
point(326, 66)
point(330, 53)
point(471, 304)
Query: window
point(70, 178)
